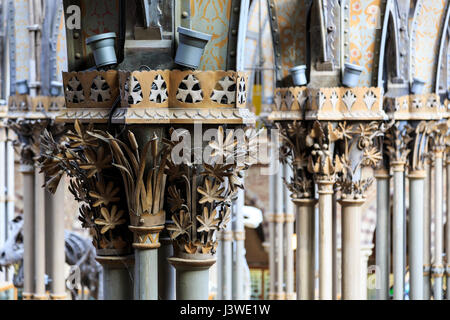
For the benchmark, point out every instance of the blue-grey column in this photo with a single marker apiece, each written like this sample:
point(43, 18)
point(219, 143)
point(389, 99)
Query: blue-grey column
point(428, 204)
point(10, 178)
point(270, 220)
point(239, 237)
point(279, 238)
point(289, 233)
point(117, 277)
point(146, 261)
point(192, 278)
point(39, 237)
point(3, 215)
point(219, 266)
point(166, 272)
point(27, 171)
point(447, 225)
point(398, 229)
point(438, 267)
point(382, 233)
point(56, 243)
point(415, 243)
point(227, 256)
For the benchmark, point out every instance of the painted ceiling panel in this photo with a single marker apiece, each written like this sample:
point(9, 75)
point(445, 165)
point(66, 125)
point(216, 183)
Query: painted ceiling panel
point(212, 17)
point(429, 22)
point(365, 23)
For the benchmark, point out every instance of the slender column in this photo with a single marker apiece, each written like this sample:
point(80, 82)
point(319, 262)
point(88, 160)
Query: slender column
point(227, 279)
point(289, 228)
point(219, 266)
point(305, 248)
point(117, 277)
point(39, 237)
point(447, 225)
point(239, 237)
point(192, 278)
point(325, 239)
point(166, 273)
point(438, 267)
point(3, 215)
point(427, 229)
point(146, 262)
point(351, 248)
point(57, 243)
point(28, 231)
point(366, 252)
point(382, 233)
point(289, 232)
point(415, 239)
point(336, 266)
point(397, 230)
point(279, 248)
point(270, 221)
point(10, 190)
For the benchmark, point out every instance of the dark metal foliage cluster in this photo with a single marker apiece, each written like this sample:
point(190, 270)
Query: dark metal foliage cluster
point(200, 195)
point(329, 152)
point(94, 182)
point(102, 167)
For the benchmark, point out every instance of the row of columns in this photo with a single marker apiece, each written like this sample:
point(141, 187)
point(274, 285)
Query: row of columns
point(231, 261)
point(43, 232)
point(424, 245)
point(281, 231)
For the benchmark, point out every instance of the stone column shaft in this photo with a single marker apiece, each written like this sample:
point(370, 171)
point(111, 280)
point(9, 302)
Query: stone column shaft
point(447, 231)
point(28, 230)
point(279, 235)
point(39, 237)
point(305, 248)
point(289, 232)
point(351, 248)
point(117, 277)
point(239, 237)
point(438, 267)
point(166, 273)
point(325, 240)
point(428, 200)
point(383, 233)
point(56, 243)
point(415, 239)
point(227, 255)
point(398, 229)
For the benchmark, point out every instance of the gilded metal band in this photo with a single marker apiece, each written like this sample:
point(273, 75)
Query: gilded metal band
point(278, 218)
point(438, 271)
point(426, 269)
point(289, 218)
point(227, 236)
point(239, 235)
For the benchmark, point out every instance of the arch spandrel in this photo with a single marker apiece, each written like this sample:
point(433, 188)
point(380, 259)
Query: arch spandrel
point(426, 41)
point(213, 17)
point(365, 27)
point(289, 19)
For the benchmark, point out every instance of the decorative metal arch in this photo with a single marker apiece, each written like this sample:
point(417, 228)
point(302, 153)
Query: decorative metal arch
point(442, 48)
point(390, 25)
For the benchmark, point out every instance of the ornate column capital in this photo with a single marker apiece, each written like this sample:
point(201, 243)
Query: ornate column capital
point(382, 173)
